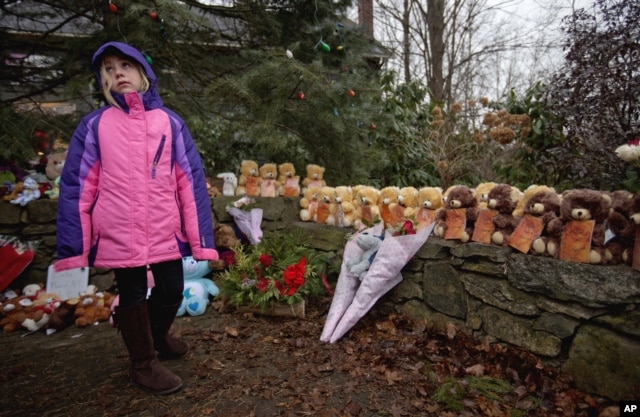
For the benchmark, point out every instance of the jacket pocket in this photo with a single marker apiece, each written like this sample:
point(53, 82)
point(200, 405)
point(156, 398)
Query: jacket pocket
point(156, 159)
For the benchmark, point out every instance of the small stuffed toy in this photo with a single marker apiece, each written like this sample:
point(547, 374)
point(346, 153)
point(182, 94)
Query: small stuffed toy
point(367, 208)
point(91, 309)
point(621, 230)
point(13, 313)
point(456, 218)
point(408, 199)
point(55, 163)
point(429, 201)
point(345, 209)
point(229, 184)
point(369, 243)
point(54, 192)
point(539, 228)
point(309, 204)
point(269, 184)
point(197, 288)
point(482, 193)
point(388, 196)
point(226, 239)
point(326, 206)
point(583, 213)
point(288, 180)
point(314, 178)
point(30, 192)
point(249, 179)
point(503, 200)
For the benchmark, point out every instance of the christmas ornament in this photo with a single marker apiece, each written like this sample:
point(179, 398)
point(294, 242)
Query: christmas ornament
point(113, 8)
point(301, 95)
point(153, 15)
point(352, 93)
point(323, 46)
point(289, 54)
point(147, 58)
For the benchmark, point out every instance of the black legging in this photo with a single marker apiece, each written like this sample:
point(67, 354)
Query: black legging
point(168, 280)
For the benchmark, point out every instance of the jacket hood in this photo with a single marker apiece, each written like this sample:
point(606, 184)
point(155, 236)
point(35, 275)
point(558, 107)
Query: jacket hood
point(151, 98)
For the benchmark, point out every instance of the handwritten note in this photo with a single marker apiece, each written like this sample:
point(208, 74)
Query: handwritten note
point(67, 284)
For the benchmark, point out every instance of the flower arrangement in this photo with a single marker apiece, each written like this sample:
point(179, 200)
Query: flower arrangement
point(278, 269)
point(630, 151)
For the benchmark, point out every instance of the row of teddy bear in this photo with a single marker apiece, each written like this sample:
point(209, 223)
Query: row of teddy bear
point(580, 225)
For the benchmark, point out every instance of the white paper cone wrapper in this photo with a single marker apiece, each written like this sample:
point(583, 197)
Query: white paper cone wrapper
point(249, 223)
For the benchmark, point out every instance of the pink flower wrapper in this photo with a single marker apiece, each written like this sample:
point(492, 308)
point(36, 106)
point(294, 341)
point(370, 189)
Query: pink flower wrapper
point(384, 274)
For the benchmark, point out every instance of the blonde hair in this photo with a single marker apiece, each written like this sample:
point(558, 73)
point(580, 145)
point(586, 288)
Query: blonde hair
point(107, 84)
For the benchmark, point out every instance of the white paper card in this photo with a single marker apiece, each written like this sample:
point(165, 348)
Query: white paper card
point(67, 284)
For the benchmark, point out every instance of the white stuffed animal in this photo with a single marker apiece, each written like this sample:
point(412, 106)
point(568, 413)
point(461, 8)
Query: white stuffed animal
point(30, 192)
point(370, 243)
point(230, 183)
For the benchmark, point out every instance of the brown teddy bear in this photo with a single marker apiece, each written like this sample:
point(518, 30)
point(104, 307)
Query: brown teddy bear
point(456, 218)
point(430, 199)
point(91, 309)
point(345, 209)
point(249, 179)
point(226, 239)
point(503, 199)
point(583, 213)
point(288, 180)
point(269, 184)
point(621, 229)
point(367, 211)
point(314, 178)
point(309, 204)
point(537, 230)
point(13, 313)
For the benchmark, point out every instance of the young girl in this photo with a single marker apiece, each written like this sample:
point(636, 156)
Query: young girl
point(133, 194)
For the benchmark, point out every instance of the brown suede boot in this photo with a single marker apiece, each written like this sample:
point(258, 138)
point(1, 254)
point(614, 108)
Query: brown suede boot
point(146, 370)
point(162, 317)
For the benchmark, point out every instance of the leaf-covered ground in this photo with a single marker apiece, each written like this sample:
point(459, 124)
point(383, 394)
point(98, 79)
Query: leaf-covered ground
point(244, 365)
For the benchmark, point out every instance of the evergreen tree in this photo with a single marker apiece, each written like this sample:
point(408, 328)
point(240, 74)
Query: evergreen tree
point(224, 69)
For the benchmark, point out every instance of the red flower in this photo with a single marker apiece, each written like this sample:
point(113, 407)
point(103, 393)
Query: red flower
point(262, 284)
point(407, 228)
point(265, 260)
point(294, 274)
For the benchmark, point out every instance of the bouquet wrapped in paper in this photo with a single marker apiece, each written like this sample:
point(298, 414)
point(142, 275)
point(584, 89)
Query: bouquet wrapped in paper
point(354, 298)
point(248, 219)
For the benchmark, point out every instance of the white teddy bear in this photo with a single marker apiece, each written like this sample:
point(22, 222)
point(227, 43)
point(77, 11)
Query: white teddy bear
point(370, 243)
point(30, 192)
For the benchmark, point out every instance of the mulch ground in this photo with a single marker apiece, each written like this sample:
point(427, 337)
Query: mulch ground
point(245, 365)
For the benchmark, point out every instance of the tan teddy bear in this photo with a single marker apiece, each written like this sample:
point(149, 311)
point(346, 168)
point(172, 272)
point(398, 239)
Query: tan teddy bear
point(55, 163)
point(345, 209)
point(430, 199)
point(326, 206)
point(309, 204)
point(249, 179)
point(269, 184)
point(91, 309)
point(408, 199)
point(367, 211)
point(482, 193)
point(314, 178)
point(289, 181)
point(388, 196)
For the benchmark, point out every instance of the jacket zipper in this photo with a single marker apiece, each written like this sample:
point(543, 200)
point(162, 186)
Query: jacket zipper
point(156, 159)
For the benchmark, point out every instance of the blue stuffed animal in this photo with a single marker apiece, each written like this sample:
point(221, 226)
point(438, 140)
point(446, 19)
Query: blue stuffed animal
point(197, 288)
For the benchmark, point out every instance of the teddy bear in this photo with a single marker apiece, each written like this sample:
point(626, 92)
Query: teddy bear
point(502, 200)
point(367, 211)
point(369, 243)
point(388, 196)
point(55, 163)
point(621, 230)
point(539, 228)
point(309, 204)
point(62, 315)
point(91, 309)
point(197, 287)
point(288, 180)
point(40, 312)
point(226, 239)
point(456, 218)
point(482, 193)
point(13, 313)
point(326, 206)
point(408, 199)
point(583, 213)
point(229, 183)
point(249, 179)
point(429, 201)
point(314, 178)
point(269, 184)
point(30, 191)
point(345, 209)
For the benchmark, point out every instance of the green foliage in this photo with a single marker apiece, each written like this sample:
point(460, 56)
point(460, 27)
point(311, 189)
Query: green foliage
point(258, 278)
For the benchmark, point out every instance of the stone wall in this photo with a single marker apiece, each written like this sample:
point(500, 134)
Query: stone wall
point(582, 317)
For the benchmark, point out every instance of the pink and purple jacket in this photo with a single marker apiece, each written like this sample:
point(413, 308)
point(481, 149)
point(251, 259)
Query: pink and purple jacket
point(133, 189)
